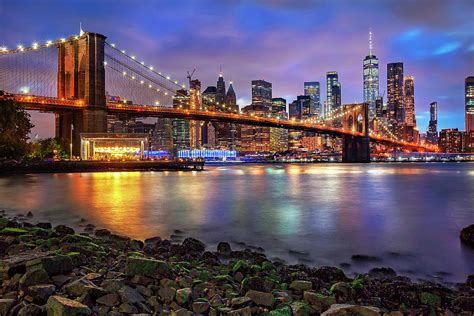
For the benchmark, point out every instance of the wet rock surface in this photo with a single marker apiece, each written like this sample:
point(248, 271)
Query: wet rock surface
point(57, 271)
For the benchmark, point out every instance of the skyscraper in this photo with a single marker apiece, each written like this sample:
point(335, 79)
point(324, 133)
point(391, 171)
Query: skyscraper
point(195, 103)
point(261, 93)
point(181, 137)
point(312, 89)
point(469, 101)
point(371, 78)
point(432, 133)
point(220, 91)
point(409, 88)
point(231, 100)
point(333, 93)
point(396, 115)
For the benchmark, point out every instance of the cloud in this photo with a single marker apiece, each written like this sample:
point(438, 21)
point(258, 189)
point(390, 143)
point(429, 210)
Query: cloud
point(447, 48)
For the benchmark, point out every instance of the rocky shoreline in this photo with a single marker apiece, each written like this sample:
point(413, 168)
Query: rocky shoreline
point(54, 271)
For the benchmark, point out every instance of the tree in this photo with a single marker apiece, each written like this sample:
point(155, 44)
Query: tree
point(15, 126)
point(48, 148)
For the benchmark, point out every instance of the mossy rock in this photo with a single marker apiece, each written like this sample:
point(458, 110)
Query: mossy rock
point(282, 311)
point(358, 284)
point(11, 231)
point(204, 275)
point(77, 238)
point(3, 222)
point(146, 267)
point(239, 265)
point(136, 254)
point(430, 299)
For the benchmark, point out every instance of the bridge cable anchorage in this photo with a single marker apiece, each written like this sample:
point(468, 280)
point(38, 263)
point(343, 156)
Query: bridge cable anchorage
point(142, 64)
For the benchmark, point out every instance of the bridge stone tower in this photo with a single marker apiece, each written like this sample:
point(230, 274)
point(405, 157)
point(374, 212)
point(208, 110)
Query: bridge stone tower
point(81, 76)
point(356, 119)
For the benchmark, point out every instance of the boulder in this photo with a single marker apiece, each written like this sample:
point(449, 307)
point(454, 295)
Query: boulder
point(130, 295)
point(63, 230)
point(329, 274)
point(260, 298)
point(318, 301)
point(383, 273)
point(61, 306)
point(44, 225)
point(109, 300)
point(146, 267)
point(467, 235)
point(35, 277)
point(30, 310)
point(245, 311)
point(167, 293)
point(300, 309)
point(193, 245)
point(224, 249)
point(200, 307)
point(183, 296)
point(41, 293)
point(53, 265)
point(5, 305)
point(82, 287)
point(301, 285)
point(354, 310)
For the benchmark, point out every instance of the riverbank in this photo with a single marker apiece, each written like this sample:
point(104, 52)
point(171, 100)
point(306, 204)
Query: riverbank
point(98, 166)
point(63, 272)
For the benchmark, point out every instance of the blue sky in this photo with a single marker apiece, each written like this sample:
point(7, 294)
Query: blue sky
point(284, 42)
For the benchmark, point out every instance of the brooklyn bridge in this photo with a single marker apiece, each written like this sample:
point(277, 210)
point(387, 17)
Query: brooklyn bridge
point(72, 78)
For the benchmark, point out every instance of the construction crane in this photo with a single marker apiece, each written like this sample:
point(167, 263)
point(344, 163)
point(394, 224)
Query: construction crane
point(190, 75)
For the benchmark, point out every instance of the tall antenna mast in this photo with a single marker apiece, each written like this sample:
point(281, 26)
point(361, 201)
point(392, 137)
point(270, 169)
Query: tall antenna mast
point(370, 42)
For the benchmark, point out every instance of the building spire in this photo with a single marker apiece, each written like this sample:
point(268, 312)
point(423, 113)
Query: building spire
point(81, 31)
point(370, 42)
point(220, 71)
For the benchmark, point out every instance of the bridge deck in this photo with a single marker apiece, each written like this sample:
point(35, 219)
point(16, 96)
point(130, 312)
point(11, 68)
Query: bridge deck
point(49, 104)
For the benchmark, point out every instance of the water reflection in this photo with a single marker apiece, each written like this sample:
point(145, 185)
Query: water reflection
point(330, 211)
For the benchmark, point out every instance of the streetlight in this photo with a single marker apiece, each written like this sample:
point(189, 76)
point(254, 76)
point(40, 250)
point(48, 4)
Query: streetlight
point(70, 142)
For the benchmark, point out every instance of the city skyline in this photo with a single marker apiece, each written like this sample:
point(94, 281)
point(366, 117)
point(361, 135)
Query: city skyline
point(436, 49)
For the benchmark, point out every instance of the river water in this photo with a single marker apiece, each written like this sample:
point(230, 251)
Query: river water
point(406, 215)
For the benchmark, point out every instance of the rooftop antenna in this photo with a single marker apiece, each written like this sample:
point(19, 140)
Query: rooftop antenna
point(370, 42)
point(81, 31)
point(220, 70)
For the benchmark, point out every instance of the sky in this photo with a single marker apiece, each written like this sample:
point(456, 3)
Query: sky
point(284, 42)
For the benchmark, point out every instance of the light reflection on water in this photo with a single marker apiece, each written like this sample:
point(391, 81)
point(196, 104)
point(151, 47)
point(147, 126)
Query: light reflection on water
point(329, 211)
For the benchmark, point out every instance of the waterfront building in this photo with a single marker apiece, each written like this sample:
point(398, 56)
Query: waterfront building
point(450, 140)
point(278, 136)
point(181, 127)
point(432, 132)
point(469, 102)
point(261, 93)
point(312, 89)
point(333, 93)
point(255, 139)
point(409, 99)
point(299, 109)
point(162, 137)
point(371, 79)
point(118, 146)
